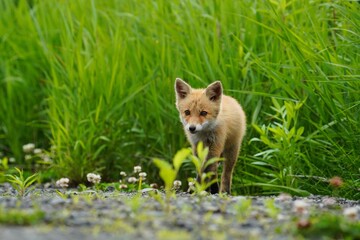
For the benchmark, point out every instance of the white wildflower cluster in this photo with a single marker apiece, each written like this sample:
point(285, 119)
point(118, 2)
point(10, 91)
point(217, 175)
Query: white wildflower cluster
point(142, 175)
point(137, 169)
point(132, 179)
point(29, 148)
point(301, 207)
point(352, 213)
point(136, 177)
point(93, 178)
point(176, 184)
point(62, 182)
point(38, 151)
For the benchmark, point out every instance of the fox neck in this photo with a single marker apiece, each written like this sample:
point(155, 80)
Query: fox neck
point(207, 136)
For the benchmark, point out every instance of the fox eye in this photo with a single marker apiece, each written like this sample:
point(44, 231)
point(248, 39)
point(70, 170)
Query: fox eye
point(187, 112)
point(203, 113)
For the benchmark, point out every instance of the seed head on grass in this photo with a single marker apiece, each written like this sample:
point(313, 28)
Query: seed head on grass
point(93, 178)
point(62, 182)
point(122, 173)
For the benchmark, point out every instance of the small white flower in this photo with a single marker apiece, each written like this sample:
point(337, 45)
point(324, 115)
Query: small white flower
point(37, 150)
point(62, 182)
point(123, 186)
point(93, 178)
point(122, 173)
point(27, 157)
point(351, 213)
point(137, 169)
point(177, 184)
point(301, 207)
point(120, 181)
point(132, 179)
point(142, 174)
point(29, 148)
point(12, 160)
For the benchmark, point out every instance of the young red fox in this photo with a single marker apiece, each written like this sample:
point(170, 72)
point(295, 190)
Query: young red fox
point(215, 119)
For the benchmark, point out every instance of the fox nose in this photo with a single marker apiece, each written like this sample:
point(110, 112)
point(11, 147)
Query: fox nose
point(192, 128)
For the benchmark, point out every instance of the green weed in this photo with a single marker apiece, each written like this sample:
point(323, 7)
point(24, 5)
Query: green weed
point(20, 183)
point(21, 217)
point(168, 172)
point(200, 163)
point(330, 226)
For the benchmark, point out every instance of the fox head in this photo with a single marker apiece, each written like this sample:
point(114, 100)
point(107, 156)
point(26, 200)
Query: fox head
point(198, 108)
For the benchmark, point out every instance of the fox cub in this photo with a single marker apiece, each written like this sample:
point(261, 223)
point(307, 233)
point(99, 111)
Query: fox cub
point(215, 119)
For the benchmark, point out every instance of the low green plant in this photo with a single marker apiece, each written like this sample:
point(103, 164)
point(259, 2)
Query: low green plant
point(330, 226)
point(20, 216)
point(283, 153)
point(243, 209)
point(200, 162)
point(270, 208)
point(20, 183)
point(168, 172)
point(4, 166)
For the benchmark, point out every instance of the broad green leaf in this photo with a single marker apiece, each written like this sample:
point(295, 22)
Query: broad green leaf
point(196, 161)
point(180, 157)
point(167, 172)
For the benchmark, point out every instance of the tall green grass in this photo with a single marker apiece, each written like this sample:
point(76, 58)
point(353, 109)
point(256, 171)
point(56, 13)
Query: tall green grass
point(95, 79)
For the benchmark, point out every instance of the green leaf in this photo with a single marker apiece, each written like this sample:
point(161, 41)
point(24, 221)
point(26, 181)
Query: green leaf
point(167, 172)
point(197, 162)
point(213, 160)
point(180, 157)
point(202, 152)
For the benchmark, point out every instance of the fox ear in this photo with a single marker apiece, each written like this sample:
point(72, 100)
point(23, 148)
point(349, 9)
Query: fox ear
point(214, 91)
point(182, 89)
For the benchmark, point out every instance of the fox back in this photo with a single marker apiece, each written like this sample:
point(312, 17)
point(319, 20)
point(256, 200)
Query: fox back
point(215, 119)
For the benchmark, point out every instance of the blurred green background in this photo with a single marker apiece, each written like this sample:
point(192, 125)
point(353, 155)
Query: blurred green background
point(91, 82)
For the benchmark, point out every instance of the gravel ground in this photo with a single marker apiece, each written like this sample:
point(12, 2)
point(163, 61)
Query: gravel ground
point(116, 215)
